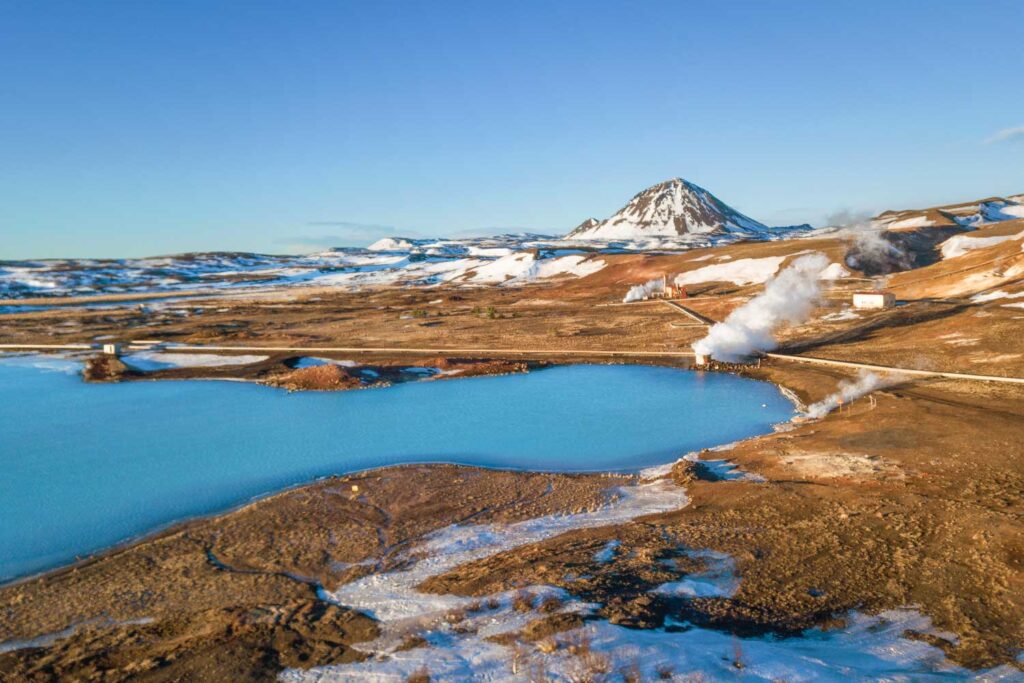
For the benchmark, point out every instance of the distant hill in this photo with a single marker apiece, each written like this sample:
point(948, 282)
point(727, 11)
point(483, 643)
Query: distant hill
point(672, 208)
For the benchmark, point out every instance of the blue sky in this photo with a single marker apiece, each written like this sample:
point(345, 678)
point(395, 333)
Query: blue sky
point(134, 128)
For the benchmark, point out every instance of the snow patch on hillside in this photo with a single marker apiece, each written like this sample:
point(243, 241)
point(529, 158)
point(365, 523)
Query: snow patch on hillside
point(745, 271)
point(958, 245)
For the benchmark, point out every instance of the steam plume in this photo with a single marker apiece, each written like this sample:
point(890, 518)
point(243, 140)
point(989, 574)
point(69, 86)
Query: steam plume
point(789, 297)
point(645, 291)
point(849, 390)
point(872, 250)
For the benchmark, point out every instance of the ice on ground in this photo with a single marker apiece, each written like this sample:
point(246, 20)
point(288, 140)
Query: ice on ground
point(393, 596)
point(867, 648)
point(607, 553)
point(157, 360)
point(50, 638)
point(60, 363)
point(717, 581)
point(744, 271)
point(722, 469)
point(421, 371)
point(312, 362)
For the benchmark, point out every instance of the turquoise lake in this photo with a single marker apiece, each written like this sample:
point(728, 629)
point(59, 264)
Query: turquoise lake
point(84, 467)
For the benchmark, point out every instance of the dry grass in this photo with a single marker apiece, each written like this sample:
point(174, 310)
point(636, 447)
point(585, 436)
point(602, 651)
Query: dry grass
point(523, 602)
point(550, 604)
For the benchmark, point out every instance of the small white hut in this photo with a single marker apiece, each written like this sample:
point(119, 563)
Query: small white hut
point(879, 299)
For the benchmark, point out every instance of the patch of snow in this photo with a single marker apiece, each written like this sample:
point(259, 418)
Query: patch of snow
point(914, 222)
point(391, 244)
point(997, 294)
point(578, 265)
point(866, 648)
point(51, 638)
point(312, 361)
point(505, 268)
point(723, 469)
point(958, 245)
point(491, 252)
point(745, 271)
point(156, 360)
point(846, 314)
point(607, 553)
point(717, 581)
point(393, 596)
point(834, 271)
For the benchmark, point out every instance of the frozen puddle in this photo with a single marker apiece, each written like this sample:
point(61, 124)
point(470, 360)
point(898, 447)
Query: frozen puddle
point(148, 361)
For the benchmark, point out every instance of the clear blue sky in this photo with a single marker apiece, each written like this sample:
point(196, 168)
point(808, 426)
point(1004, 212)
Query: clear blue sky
point(145, 127)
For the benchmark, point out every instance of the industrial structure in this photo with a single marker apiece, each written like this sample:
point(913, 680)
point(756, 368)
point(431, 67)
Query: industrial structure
point(874, 299)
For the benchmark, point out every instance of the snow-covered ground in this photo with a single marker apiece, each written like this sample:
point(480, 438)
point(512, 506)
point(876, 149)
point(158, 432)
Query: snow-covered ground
point(505, 259)
point(458, 637)
point(393, 597)
point(744, 271)
point(958, 245)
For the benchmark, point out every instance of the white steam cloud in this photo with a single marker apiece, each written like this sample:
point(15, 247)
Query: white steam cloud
point(849, 390)
point(645, 291)
point(872, 252)
point(788, 298)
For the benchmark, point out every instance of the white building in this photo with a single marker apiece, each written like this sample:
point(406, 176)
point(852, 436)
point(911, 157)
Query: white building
point(879, 299)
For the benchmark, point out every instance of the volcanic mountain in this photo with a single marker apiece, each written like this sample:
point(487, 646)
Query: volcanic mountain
point(673, 208)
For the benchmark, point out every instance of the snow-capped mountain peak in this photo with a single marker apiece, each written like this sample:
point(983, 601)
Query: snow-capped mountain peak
point(672, 208)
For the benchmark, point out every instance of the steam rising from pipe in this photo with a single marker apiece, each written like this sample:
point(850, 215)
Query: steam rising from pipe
point(645, 291)
point(849, 390)
point(789, 297)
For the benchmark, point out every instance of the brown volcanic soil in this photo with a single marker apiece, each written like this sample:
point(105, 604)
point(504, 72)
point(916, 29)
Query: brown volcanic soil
point(868, 510)
point(233, 597)
point(918, 501)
